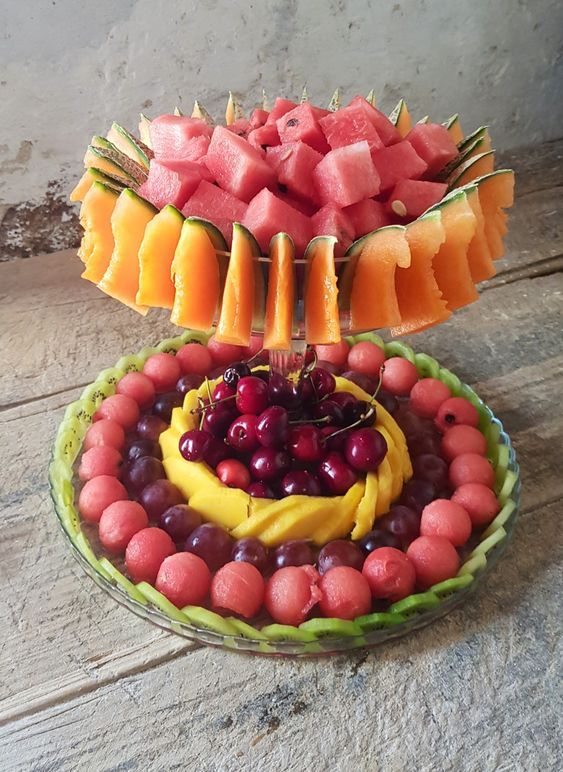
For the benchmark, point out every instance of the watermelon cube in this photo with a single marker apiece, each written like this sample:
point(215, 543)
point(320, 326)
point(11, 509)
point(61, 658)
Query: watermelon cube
point(267, 215)
point(387, 132)
point(171, 182)
point(258, 117)
point(367, 216)
point(294, 164)
point(281, 107)
point(216, 205)
point(171, 134)
point(349, 125)
point(319, 112)
point(195, 148)
point(398, 162)
point(332, 221)
point(346, 175)
point(300, 204)
point(411, 198)
point(238, 167)
point(301, 124)
point(264, 136)
point(434, 144)
point(241, 127)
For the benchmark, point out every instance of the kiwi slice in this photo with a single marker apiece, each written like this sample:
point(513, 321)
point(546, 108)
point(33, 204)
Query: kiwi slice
point(208, 620)
point(162, 604)
point(193, 336)
point(369, 336)
point(286, 633)
point(130, 364)
point(501, 519)
point(97, 391)
point(507, 487)
point(170, 345)
point(111, 375)
point(245, 630)
point(451, 381)
point(491, 541)
point(379, 621)
point(322, 627)
point(427, 366)
point(415, 604)
point(397, 349)
point(122, 581)
point(450, 586)
point(475, 564)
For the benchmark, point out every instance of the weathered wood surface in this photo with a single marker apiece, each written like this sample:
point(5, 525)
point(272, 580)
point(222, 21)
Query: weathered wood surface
point(84, 684)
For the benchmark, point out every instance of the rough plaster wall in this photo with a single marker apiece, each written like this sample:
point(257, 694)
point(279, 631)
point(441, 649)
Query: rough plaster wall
point(68, 68)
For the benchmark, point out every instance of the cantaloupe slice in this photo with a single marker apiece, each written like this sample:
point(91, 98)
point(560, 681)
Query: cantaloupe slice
point(481, 265)
point(419, 297)
point(453, 125)
point(156, 288)
point(97, 242)
point(400, 116)
point(130, 217)
point(373, 302)
point(476, 166)
point(195, 272)
point(496, 192)
point(235, 320)
point(92, 175)
point(322, 323)
point(450, 264)
point(281, 294)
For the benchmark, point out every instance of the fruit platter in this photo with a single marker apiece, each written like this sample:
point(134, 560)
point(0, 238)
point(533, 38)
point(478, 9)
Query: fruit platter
point(277, 478)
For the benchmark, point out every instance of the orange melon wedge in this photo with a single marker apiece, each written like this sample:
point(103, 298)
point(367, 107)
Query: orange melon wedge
point(235, 320)
point(373, 301)
point(97, 242)
point(450, 264)
point(130, 217)
point(195, 272)
point(479, 258)
point(453, 125)
point(162, 234)
point(281, 294)
point(496, 192)
point(419, 297)
point(474, 167)
point(322, 323)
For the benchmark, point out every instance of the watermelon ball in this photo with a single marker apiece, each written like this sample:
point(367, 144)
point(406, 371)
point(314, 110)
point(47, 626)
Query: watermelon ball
point(184, 579)
point(119, 522)
point(389, 573)
point(328, 366)
point(194, 358)
point(120, 408)
point(105, 432)
point(435, 559)
point(145, 553)
point(233, 473)
point(399, 376)
point(100, 460)
point(238, 587)
point(367, 358)
point(224, 353)
point(426, 397)
point(345, 593)
point(462, 439)
point(471, 468)
point(290, 594)
point(163, 370)
point(480, 502)
point(446, 518)
point(97, 494)
point(335, 353)
point(139, 387)
point(254, 348)
point(454, 411)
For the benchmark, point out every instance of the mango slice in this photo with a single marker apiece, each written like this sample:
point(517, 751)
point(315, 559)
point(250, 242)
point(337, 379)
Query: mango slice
point(342, 520)
point(225, 506)
point(365, 511)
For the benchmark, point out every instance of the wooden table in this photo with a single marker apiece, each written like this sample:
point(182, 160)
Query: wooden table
point(86, 685)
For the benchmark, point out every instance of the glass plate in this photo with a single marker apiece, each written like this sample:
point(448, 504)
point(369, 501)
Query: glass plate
point(313, 637)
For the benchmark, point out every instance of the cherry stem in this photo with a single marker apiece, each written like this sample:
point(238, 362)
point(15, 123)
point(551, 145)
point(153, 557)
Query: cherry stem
point(254, 356)
point(203, 408)
point(325, 419)
point(357, 422)
point(379, 382)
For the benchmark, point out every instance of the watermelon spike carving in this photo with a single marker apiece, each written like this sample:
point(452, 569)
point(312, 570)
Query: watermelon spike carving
point(144, 124)
point(304, 95)
point(200, 112)
point(234, 110)
point(371, 98)
point(177, 111)
point(334, 103)
point(424, 120)
point(265, 100)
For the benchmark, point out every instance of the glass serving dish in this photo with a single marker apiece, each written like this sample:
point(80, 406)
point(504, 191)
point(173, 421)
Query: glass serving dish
point(314, 637)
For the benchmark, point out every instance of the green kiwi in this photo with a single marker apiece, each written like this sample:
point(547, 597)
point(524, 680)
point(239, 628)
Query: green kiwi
point(245, 630)
point(501, 519)
point(379, 621)
point(507, 487)
point(130, 364)
point(208, 620)
point(397, 349)
point(322, 627)
point(476, 563)
point(451, 381)
point(427, 366)
point(415, 604)
point(162, 604)
point(286, 633)
point(450, 586)
point(121, 580)
point(111, 375)
point(485, 546)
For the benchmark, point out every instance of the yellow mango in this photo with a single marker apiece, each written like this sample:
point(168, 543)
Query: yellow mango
point(342, 519)
point(190, 401)
point(395, 462)
point(225, 506)
point(190, 476)
point(260, 519)
point(257, 505)
point(168, 442)
point(365, 511)
point(384, 487)
point(183, 421)
point(306, 514)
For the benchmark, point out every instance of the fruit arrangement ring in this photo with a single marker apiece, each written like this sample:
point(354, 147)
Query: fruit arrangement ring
point(364, 505)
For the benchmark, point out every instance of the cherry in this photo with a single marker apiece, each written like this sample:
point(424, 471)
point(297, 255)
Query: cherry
point(215, 452)
point(365, 449)
point(223, 391)
point(388, 401)
point(331, 410)
point(283, 392)
point(269, 464)
point(365, 382)
point(272, 427)
point(323, 382)
point(300, 483)
point(344, 399)
point(260, 491)
point(218, 418)
point(241, 434)
point(233, 473)
point(330, 442)
point(360, 412)
point(194, 444)
point(252, 395)
point(335, 474)
point(305, 443)
point(235, 372)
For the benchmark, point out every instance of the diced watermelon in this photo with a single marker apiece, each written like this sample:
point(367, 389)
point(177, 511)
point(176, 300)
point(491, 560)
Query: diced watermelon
point(258, 117)
point(319, 112)
point(410, 198)
point(281, 107)
point(297, 203)
point(294, 164)
point(367, 216)
point(349, 125)
point(264, 136)
point(300, 124)
point(398, 162)
point(434, 144)
point(332, 221)
point(238, 168)
point(267, 215)
point(241, 127)
point(171, 182)
point(171, 134)
point(346, 175)
point(387, 132)
point(196, 148)
point(216, 205)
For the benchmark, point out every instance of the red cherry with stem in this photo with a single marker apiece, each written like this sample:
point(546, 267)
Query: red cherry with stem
point(305, 443)
point(223, 391)
point(299, 482)
point(268, 464)
point(272, 427)
point(335, 474)
point(323, 382)
point(241, 434)
point(235, 372)
point(194, 444)
point(343, 399)
point(329, 410)
point(215, 452)
point(365, 449)
point(260, 491)
point(218, 417)
point(252, 395)
point(330, 442)
point(283, 392)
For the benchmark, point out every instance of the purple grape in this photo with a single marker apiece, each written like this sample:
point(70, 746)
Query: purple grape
point(365, 382)
point(150, 427)
point(340, 552)
point(159, 496)
point(143, 472)
point(429, 467)
point(211, 543)
point(293, 553)
point(141, 448)
point(188, 382)
point(165, 404)
point(378, 538)
point(251, 550)
point(403, 523)
point(179, 521)
point(417, 494)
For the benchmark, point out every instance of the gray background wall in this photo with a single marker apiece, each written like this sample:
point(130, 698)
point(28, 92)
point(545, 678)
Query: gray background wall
point(68, 68)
